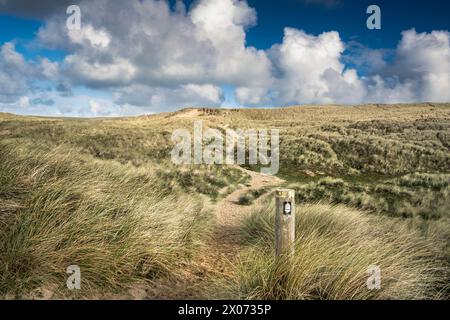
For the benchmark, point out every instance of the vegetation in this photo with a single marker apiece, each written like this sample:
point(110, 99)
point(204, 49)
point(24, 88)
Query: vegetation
point(252, 195)
point(372, 187)
point(335, 247)
point(59, 209)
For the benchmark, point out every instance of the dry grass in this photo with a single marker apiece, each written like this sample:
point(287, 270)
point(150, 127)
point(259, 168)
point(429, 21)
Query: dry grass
point(335, 247)
point(60, 209)
point(96, 193)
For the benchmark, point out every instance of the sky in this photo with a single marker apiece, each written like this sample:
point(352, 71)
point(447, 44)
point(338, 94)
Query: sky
point(147, 56)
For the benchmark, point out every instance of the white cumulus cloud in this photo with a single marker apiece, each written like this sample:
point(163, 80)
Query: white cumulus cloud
point(162, 52)
point(309, 70)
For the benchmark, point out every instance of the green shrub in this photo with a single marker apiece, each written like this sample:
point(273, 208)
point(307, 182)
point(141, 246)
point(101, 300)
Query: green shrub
point(246, 199)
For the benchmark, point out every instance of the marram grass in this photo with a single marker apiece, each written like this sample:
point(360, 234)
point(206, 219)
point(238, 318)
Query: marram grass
point(59, 209)
point(335, 247)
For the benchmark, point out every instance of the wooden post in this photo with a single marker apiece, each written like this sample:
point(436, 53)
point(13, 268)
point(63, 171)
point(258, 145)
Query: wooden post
point(284, 222)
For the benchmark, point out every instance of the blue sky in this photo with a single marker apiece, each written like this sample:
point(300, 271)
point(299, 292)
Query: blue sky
point(219, 53)
point(23, 31)
point(349, 18)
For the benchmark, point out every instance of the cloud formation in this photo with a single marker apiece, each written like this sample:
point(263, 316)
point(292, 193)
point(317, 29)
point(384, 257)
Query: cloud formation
point(18, 77)
point(151, 57)
point(162, 52)
point(310, 71)
point(420, 71)
point(14, 74)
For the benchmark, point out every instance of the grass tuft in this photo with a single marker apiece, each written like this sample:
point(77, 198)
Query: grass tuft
point(59, 209)
point(335, 247)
